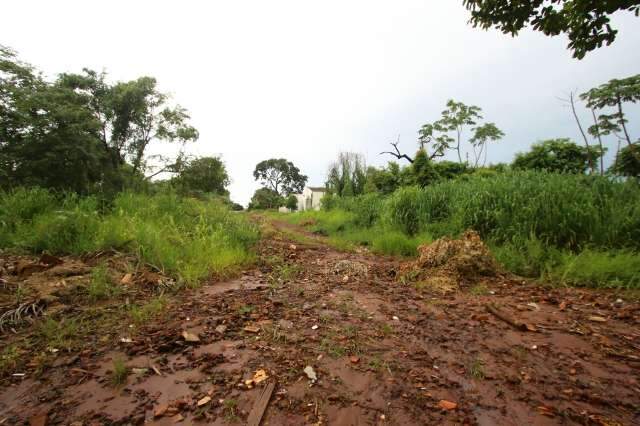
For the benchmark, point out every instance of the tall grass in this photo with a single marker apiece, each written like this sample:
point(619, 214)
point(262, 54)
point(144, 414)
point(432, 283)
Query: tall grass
point(572, 229)
point(185, 237)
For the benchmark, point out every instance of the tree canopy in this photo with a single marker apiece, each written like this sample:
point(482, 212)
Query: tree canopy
point(265, 198)
point(585, 22)
point(79, 132)
point(557, 155)
point(280, 175)
point(206, 174)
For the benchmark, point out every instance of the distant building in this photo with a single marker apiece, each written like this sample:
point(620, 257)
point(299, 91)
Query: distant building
point(310, 198)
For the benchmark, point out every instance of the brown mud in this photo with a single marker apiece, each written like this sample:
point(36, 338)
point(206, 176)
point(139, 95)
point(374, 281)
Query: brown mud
point(385, 350)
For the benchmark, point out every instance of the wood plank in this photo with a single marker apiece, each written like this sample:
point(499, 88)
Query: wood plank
point(260, 406)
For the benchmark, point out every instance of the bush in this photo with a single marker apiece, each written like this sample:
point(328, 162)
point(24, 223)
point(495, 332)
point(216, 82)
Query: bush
point(188, 238)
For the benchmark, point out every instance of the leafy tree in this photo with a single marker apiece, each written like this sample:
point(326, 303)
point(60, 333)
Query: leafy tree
point(132, 114)
point(585, 22)
point(47, 137)
point(450, 169)
point(454, 120)
point(291, 202)
point(481, 135)
point(265, 198)
point(556, 155)
point(280, 175)
point(613, 94)
point(626, 163)
point(423, 170)
point(387, 179)
point(205, 174)
point(347, 176)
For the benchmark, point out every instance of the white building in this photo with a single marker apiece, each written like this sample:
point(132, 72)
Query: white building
point(310, 198)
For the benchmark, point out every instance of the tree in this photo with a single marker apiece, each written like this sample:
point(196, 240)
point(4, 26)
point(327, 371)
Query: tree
point(280, 175)
point(205, 174)
point(454, 120)
point(265, 198)
point(626, 164)
point(132, 114)
point(585, 22)
point(613, 94)
point(47, 136)
point(291, 203)
point(423, 170)
point(556, 155)
point(347, 176)
point(481, 135)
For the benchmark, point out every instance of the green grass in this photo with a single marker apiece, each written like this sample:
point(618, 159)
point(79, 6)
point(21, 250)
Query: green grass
point(565, 229)
point(62, 335)
point(119, 373)
point(101, 286)
point(9, 359)
point(140, 314)
point(187, 238)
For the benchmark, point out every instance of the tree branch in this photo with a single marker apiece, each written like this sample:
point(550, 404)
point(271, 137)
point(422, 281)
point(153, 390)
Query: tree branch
point(397, 154)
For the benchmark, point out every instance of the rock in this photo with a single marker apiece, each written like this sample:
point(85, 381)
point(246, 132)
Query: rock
point(311, 374)
point(221, 329)
point(190, 337)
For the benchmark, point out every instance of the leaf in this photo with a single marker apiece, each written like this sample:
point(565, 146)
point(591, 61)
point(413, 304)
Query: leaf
point(204, 401)
point(190, 337)
point(596, 318)
point(447, 405)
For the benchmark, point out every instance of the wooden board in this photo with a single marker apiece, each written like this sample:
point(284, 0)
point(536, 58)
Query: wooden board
point(260, 406)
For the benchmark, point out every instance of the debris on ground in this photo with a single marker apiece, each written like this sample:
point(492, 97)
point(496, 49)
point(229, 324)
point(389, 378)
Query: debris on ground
point(446, 263)
point(311, 374)
point(350, 268)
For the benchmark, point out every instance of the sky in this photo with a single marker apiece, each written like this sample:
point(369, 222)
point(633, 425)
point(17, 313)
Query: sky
point(304, 80)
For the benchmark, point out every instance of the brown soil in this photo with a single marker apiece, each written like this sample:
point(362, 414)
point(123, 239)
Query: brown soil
point(384, 350)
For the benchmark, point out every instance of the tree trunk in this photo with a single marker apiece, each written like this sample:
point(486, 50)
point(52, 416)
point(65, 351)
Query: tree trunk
point(584, 136)
point(595, 121)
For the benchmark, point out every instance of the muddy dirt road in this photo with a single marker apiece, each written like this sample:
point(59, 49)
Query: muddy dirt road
point(344, 341)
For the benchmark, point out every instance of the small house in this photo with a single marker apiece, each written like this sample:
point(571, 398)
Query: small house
point(310, 198)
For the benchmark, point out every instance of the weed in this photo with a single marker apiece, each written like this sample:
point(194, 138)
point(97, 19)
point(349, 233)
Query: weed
point(245, 309)
point(63, 334)
point(143, 313)
point(386, 329)
point(101, 286)
point(230, 409)
point(479, 290)
point(119, 373)
point(9, 358)
point(476, 369)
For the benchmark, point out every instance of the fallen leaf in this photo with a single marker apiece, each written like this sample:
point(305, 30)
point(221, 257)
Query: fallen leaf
point(177, 418)
point(596, 318)
point(126, 340)
point(204, 401)
point(190, 337)
point(534, 306)
point(315, 327)
point(354, 359)
point(139, 370)
point(345, 279)
point(249, 383)
point(292, 246)
point(126, 279)
point(260, 376)
point(311, 374)
point(38, 420)
point(162, 408)
point(563, 306)
point(251, 328)
point(447, 405)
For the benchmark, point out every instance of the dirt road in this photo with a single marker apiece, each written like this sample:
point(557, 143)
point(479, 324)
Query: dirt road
point(382, 352)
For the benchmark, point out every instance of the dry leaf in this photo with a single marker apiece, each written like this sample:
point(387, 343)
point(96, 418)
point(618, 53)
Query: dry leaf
point(447, 405)
point(127, 279)
point(251, 328)
point(260, 376)
point(354, 359)
point(204, 401)
point(596, 318)
point(190, 337)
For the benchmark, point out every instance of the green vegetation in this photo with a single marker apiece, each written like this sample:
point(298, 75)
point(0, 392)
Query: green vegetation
point(573, 229)
point(119, 373)
point(101, 286)
point(140, 314)
point(63, 334)
point(188, 238)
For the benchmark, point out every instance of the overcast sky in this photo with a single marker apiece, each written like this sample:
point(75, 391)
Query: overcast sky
point(305, 80)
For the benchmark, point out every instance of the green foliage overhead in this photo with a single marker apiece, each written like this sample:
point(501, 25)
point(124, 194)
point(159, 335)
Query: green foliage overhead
point(557, 155)
point(585, 22)
point(280, 175)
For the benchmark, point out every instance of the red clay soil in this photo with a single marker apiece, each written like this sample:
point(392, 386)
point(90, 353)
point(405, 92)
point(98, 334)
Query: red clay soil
point(383, 351)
